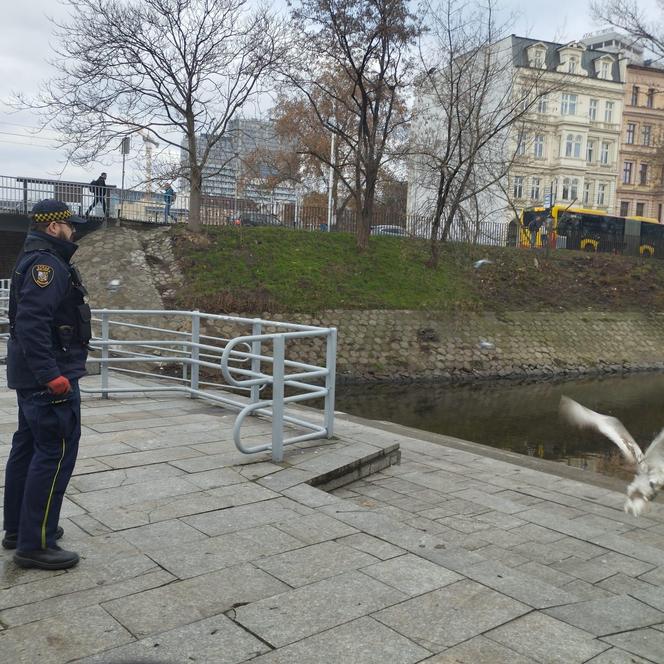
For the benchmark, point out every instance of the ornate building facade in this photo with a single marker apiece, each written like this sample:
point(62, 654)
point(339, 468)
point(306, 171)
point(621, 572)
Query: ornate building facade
point(640, 190)
point(568, 151)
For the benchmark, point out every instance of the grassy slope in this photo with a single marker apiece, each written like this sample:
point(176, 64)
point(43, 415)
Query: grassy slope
point(231, 269)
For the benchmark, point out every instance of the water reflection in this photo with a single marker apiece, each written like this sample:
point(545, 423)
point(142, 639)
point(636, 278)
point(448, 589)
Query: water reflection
point(520, 417)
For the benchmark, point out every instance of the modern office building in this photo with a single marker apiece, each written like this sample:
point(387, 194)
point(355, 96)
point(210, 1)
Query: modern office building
point(238, 167)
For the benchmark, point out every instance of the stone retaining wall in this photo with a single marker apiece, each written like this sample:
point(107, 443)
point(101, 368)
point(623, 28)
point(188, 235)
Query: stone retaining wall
point(414, 345)
point(399, 345)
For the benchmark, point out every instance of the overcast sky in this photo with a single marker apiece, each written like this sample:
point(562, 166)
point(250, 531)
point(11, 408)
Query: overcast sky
point(25, 33)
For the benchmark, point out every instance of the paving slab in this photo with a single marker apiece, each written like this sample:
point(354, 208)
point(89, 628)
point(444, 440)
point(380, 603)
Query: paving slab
point(546, 639)
point(204, 596)
point(450, 615)
point(411, 574)
point(315, 528)
point(70, 599)
point(647, 643)
point(361, 641)
point(216, 640)
point(479, 650)
point(518, 584)
point(215, 553)
point(617, 656)
point(608, 616)
point(314, 563)
point(299, 613)
point(63, 638)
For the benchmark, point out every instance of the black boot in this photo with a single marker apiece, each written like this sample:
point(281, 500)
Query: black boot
point(53, 558)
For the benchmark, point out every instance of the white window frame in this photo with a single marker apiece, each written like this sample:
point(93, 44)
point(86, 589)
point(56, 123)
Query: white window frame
point(608, 112)
point(538, 146)
point(605, 152)
point(543, 104)
point(568, 103)
point(590, 150)
point(569, 145)
point(601, 193)
point(535, 188)
point(587, 192)
point(517, 187)
point(630, 133)
point(646, 135)
point(592, 109)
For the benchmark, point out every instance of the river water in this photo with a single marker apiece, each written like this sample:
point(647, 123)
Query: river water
point(520, 417)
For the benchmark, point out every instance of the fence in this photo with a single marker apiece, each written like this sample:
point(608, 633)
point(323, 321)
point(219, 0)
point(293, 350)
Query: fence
point(215, 368)
point(19, 194)
point(4, 307)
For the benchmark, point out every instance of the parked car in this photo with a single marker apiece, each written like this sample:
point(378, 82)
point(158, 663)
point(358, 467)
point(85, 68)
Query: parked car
point(256, 219)
point(394, 231)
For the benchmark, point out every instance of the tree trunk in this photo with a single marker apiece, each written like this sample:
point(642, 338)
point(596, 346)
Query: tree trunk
point(195, 199)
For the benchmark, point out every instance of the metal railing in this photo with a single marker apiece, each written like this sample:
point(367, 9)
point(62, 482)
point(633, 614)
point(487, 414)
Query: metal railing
point(4, 307)
point(205, 366)
point(19, 194)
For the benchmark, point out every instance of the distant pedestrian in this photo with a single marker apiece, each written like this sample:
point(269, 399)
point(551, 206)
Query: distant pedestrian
point(544, 234)
point(169, 199)
point(98, 189)
point(547, 230)
point(533, 227)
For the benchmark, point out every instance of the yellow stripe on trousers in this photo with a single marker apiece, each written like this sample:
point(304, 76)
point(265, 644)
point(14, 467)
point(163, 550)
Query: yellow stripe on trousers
point(50, 495)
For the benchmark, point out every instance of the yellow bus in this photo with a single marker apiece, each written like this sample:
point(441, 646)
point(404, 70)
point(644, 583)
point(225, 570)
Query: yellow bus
point(595, 230)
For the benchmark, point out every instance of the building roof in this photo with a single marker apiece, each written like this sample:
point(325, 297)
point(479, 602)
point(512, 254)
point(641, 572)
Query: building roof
point(552, 59)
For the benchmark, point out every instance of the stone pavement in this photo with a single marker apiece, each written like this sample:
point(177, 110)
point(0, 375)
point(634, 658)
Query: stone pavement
point(193, 552)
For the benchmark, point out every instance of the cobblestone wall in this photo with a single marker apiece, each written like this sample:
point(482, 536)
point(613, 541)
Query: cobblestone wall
point(414, 345)
point(399, 345)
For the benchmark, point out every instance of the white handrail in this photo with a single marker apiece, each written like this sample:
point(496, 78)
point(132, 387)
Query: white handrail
point(262, 356)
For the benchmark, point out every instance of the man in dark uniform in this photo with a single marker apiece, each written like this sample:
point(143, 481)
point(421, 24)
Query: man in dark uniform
point(49, 324)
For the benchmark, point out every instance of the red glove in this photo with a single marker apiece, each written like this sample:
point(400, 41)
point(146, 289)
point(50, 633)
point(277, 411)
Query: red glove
point(59, 385)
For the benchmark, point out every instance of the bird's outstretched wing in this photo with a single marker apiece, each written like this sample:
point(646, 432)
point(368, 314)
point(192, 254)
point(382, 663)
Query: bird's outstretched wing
point(611, 427)
point(655, 453)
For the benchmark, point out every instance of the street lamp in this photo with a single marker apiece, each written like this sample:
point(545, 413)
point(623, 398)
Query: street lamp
point(330, 179)
point(236, 176)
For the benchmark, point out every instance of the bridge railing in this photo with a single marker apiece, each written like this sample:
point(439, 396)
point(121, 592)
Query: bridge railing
point(19, 194)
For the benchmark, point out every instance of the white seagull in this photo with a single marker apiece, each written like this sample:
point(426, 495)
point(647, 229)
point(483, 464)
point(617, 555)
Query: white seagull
point(649, 476)
point(482, 261)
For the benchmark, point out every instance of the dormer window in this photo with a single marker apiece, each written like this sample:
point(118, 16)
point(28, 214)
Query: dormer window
point(538, 60)
point(604, 68)
point(537, 56)
point(573, 65)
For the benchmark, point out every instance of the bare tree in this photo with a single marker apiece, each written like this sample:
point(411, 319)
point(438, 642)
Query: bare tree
point(366, 44)
point(471, 115)
point(177, 69)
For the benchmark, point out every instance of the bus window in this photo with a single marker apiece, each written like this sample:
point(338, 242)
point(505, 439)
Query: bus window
point(652, 239)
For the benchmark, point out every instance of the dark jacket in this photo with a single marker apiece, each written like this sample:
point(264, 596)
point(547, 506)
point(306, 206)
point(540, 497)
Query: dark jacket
point(98, 187)
point(48, 317)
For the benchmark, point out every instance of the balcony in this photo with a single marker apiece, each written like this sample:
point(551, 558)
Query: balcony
point(605, 126)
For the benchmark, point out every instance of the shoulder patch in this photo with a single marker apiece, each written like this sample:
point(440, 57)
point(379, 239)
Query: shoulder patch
point(42, 275)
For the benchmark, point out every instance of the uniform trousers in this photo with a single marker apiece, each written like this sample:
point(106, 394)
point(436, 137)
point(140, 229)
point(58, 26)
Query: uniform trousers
point(40, 464)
